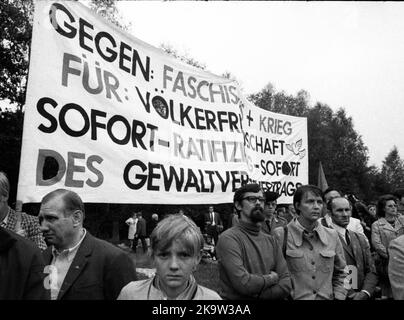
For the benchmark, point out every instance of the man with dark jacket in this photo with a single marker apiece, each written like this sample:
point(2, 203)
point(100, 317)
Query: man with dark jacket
point(140, 232)
point(213, 224)
point(272, 219)
point(22, 269)
point(82, 267)
point(363, 277)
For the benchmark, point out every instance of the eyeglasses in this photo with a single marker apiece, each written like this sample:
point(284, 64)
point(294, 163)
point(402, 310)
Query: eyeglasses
point(392, 206)
point(254, 199)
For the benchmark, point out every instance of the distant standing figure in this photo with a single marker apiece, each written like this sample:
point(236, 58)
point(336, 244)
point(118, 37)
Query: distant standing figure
point(176, 245)
point(140, 232)
point(132, 222)
point(213, 224)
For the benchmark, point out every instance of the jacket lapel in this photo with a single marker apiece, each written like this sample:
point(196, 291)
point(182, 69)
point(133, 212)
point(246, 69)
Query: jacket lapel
point(6, 241)
point(347, 249)
point(77, 266)
point(47, 255)
point(385, 225)
point(265, 227)
point(356, 248)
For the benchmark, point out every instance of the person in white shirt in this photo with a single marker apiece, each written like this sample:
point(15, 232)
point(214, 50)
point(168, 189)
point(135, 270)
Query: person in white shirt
point(132, 222)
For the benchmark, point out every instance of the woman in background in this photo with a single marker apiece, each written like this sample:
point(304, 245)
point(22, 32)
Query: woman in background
point(388, 227)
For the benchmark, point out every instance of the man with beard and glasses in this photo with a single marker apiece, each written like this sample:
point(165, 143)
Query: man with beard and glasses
point(251, 264)
point(313, 252)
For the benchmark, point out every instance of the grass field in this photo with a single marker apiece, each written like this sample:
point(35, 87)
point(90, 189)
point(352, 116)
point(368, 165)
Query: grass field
point(206, 275)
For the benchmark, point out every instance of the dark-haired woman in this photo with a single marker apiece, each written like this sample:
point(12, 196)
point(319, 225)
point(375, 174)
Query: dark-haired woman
point(389, 226)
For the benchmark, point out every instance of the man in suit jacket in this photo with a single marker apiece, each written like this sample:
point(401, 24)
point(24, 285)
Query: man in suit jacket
point(140, 232)
point(213, 224)
point(272, 220)
point(23, 224)
point(396, 267)
point(21, 269)
point(82, 267)
point(356, 250)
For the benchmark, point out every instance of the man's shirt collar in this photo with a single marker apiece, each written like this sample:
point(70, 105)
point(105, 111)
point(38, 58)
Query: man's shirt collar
point(297, 230)
point(70, 252)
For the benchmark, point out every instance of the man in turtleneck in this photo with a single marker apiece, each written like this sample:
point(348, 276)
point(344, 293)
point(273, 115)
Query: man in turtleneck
point(251, 264)
point(313, 252)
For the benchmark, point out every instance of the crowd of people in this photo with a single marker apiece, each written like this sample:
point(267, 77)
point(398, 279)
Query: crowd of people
point(324, 246)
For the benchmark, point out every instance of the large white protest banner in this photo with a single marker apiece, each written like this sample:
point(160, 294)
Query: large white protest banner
point(120, 121)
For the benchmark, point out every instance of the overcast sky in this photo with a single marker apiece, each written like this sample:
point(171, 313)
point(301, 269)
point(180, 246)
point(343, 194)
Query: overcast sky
point(345, 54)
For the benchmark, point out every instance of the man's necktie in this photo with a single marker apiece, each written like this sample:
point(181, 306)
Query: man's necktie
point(347, 240)
point(269, 225)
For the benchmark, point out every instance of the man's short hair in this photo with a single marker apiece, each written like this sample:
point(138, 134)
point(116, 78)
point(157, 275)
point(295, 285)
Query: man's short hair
point(381, 203)
point(177, 227)
point(271, 196)
point(329, 189)
point(71, 199)
point(301, 191)
point(329, 204)
point(249, 187)
point(4, 184)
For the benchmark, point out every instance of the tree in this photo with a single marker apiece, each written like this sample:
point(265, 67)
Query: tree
point(108, 9)
point(16, 18)
point(15, 37)
point(393, 170)
point(169, 49)
point(332, 138)
point(10, 146)
point(280, 102)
